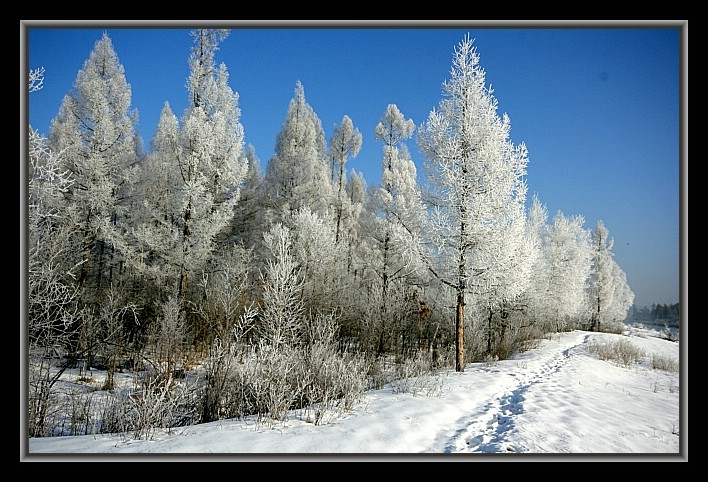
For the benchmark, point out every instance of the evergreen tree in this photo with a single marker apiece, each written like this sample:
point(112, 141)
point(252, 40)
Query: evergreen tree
point(609, 294)
point(475, 174)
point(395, 223)
point(321, 261)
point(397, 202)
point(156, 221)
point(357, 198)
point(509, 255)
point(282, 307)
point(247, 226)
point(345, 144)
point(560, 277)
point(95, 132)
point(297, 175)
point(194, 174)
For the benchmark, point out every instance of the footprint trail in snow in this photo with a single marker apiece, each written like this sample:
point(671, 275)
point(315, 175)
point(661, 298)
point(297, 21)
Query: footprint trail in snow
point(486, 431)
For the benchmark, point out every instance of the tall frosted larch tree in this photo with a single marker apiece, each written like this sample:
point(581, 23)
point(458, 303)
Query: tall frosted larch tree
point(297, 176)
point(569, 257)
point(357, 198)
point(203, 167)
point(537, 289)
point(507, 257)
point(397, 200)
point(609, 294)
point(95, 133)
point(397, 214)
point(344, 144)
point(474, 173)
point(557, 293)
point(320, 258)
point(247, 224)
point(155, 222)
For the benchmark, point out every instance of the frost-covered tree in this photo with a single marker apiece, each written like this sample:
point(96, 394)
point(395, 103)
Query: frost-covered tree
point(557, 294)
point(600, 290)
point(297, 175)
point(609, 294)
point(321, 261)
point(392, 129)
point(537, 290)
point(475, 173)
point(510, 258)
point(156, 221)
point(35, 80)
point(194, 174)
point(95, 132)
point(282, 307)
point(623, 296)
point(356, 192)
point(247, 226)
point(52, 302)
point(397, 201)
point(48, 185)
point(395, 221)
point(567, 252)
point(202, 64)
point(344, 144)
point(52, 293)
point(356, 189)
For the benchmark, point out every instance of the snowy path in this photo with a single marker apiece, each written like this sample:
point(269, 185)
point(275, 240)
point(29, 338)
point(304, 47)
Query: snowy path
point(487, 430)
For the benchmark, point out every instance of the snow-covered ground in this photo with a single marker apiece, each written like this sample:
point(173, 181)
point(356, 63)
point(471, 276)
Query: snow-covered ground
point(557, 399)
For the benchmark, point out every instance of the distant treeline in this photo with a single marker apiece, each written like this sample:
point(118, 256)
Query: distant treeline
point(658, 313)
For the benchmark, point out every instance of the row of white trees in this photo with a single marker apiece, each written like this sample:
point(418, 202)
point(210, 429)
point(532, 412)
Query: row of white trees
point(117, 236)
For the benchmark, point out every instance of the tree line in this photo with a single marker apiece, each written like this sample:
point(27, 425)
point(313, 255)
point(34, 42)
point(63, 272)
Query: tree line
point(657, 313)
point(189, 254)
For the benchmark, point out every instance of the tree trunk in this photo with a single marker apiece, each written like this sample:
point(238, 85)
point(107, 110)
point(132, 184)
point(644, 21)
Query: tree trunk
point(490, 331)
point(460, 333)
point(339, 198)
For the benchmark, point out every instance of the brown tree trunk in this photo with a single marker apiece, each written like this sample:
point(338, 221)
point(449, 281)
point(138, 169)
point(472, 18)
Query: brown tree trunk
point(460, 333)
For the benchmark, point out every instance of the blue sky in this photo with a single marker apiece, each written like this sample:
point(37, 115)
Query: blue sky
point(596, 104)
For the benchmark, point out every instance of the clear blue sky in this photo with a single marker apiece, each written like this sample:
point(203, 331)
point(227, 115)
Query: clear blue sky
point(596, 104)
